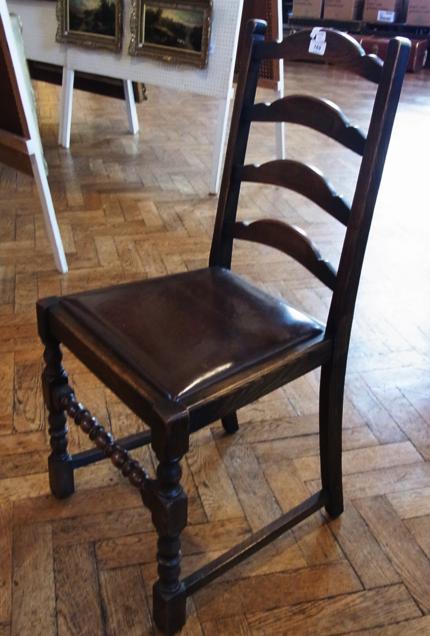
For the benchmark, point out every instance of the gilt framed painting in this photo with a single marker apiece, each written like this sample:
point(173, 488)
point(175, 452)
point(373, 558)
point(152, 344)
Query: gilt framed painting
point(173, 31)
point(90, 23)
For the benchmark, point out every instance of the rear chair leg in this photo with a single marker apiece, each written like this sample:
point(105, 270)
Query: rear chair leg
point(230, 423)
point(331, 407)
point(61, 478)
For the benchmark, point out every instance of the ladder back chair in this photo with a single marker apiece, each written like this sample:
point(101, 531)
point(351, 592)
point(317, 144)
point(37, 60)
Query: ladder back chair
point(20, 145)
point(187, 349)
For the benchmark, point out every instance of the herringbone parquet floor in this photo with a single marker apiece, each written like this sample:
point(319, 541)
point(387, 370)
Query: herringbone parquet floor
point(136, 207)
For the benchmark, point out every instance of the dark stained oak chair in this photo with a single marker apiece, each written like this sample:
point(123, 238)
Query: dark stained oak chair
point(185, 350)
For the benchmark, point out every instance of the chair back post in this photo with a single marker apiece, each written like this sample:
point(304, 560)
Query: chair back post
point(222, 241)
point(366, 192)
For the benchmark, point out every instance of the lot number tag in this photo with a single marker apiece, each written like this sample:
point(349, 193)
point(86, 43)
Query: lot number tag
point(317, 45)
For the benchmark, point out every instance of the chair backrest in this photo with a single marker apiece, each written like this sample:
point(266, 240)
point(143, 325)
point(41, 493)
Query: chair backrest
point(17, 121)
point(324, 116)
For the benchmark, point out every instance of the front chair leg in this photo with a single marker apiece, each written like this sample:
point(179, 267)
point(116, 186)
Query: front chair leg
point(60, 469)
point(168, 504)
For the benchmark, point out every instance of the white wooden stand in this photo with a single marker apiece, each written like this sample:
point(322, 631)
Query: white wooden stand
point(219, 143)
point(48, 210)
point(40, 24)
point(133, 122)
point(66, 107)
point(25, 146)
point(215, 81)
point(280, 126)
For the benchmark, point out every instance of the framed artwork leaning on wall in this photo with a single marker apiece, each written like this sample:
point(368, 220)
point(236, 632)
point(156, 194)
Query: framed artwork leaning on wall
point(172, 31)
point(90, 23)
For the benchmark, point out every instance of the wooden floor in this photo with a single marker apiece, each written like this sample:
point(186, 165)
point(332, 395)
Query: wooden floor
point(136, 207)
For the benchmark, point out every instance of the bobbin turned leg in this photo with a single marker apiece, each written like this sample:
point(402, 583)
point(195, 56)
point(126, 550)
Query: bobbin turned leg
point(168, 504)
point(53, 377)
point(61, 478)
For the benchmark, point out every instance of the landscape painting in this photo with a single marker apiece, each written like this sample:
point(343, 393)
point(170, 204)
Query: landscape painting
point(93, 23)
point(172, 31)
point(177, 28)
point(92, 16)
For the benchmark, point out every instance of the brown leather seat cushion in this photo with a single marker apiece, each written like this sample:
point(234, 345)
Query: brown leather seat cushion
point(183, 332)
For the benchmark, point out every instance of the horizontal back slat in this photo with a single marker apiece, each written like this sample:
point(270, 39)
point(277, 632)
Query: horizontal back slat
point(340, 49)
point(319, 114)
point(289, 240)
point(300, 178)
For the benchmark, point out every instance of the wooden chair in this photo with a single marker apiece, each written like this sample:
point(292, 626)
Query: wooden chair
point(20, 146)
point(185, 350)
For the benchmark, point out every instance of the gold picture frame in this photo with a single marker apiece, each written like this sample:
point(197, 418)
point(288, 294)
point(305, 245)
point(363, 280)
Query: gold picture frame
point(175, 31)
point(90, 23)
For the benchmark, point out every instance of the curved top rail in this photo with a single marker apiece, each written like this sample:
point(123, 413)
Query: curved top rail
point(337, 48)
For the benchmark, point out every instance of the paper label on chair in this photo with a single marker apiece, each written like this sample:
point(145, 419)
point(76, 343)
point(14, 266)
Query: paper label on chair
point(318, 48)
point(386, 16)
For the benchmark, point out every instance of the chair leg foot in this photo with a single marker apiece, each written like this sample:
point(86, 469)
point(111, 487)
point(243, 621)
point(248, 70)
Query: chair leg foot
point(230, 423)
point(331, 406)
point(169, 507)
point(169, 609)
point(334, 507)
point(54, 378)
point(61, 477)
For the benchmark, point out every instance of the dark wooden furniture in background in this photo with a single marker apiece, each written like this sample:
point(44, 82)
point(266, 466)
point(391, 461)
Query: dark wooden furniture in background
point(361, 26)
point(261, 10)
point(185, 350)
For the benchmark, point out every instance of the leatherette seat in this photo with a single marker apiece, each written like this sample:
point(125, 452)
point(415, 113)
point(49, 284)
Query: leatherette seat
point(211, 323)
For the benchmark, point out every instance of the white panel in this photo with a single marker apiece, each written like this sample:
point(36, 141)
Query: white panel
point(39, 28)
point(34, 147)
point(39, 36)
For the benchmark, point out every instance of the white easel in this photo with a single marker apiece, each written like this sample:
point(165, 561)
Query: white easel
point(66, 107)
point(21, 147)
point(280, 89)
point(222, 116)
point(214, 81)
